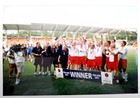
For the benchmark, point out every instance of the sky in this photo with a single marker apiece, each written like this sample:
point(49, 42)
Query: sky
point(97, 13)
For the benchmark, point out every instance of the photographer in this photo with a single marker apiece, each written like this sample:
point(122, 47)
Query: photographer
point(11, 60)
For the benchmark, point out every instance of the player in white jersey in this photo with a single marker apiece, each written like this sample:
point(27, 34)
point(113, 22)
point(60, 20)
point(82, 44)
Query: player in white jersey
point(98, 55)
point(82, 55)
point(123, 60)
point(98, 52)
point(113, 61)
point(74, 56)
point(91, 57)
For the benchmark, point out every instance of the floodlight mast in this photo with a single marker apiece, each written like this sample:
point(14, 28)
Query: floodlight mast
point(76, 32)
point(17, 30)
point(88, 31)
point(54, 30)
point(65, 31)
point(5, 30)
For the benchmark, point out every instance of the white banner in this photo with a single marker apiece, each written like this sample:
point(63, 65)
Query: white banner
point(59, 72)
point(107, 77)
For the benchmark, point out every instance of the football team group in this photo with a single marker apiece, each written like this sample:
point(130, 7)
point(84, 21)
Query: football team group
point(96, 54)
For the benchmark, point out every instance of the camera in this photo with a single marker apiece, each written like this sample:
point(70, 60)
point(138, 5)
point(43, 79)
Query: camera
point(16, 48)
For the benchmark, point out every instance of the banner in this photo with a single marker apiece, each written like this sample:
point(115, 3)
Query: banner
point(79, 74)
point(107, 77)
point(95, 76)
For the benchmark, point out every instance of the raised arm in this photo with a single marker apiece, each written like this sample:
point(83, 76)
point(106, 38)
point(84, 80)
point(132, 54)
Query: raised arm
point(101, 39)
point(108, 35)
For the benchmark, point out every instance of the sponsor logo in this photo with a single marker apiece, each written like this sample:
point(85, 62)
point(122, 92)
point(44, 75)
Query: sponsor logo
point(59, 70)
point(106, 74)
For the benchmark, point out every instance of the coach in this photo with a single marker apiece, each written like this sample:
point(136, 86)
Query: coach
point(46, 59)
point(63, 57)
point(38, 60)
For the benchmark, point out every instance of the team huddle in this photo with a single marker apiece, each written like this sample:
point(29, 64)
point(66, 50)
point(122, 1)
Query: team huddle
point(80, 54)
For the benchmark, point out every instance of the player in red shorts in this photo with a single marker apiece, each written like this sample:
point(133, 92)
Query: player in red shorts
point(98, 54)
point(123, 60)
point(82, 55)
point(74, 57)
point(91, 57)
point(113, 61)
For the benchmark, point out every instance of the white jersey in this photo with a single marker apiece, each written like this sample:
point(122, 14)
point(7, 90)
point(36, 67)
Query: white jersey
point(19, 57)
point(123, 50)
point(91, 54)
point(98, 51)
point(11, 61)
point(111, 56)
point(82, 50)
point(74, 51)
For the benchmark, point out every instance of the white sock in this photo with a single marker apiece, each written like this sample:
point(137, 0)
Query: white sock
point(126, 76)
point(49, 73)
point(123, 75)
point(39, 72)
point(17, 81)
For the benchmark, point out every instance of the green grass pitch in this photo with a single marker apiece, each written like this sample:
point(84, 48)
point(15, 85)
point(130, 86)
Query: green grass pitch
point(48, 85)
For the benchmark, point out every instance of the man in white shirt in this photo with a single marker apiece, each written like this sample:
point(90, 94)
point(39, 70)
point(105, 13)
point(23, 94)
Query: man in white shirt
point(123, 60)
point(19, 61)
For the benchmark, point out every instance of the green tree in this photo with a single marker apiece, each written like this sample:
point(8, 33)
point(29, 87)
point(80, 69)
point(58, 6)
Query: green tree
point(47, 34)
point(69, 35)
point(89, 35)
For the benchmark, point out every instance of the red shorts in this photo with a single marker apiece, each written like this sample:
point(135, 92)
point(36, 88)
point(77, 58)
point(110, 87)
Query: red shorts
point(98, 61)
point(91, 63)
point(113, 66)
point(82, 60)
point(74, 60)
point(123, 63)
point(107, 61)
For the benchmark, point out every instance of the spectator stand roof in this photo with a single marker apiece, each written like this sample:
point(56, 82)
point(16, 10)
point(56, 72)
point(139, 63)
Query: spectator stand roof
point(63, 28)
